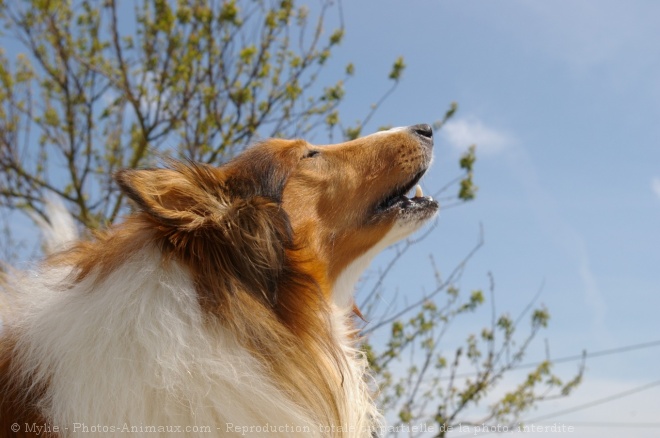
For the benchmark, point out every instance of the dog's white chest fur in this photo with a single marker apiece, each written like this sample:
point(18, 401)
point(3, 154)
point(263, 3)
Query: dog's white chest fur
point(136, 352)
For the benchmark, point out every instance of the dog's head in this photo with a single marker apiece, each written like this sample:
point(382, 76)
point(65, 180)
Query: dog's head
point(283, 204)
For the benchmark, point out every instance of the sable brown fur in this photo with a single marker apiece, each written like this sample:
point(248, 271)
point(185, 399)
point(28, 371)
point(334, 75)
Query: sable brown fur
point(17, 405)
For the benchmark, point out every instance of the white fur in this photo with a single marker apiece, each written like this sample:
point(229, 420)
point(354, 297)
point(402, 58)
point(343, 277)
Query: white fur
point(360, 413)
point(134, 350)
point(344, 289)
point(389, 131)
point(59, 231)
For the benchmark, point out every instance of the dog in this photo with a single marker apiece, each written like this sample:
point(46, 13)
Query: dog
point(223, 304)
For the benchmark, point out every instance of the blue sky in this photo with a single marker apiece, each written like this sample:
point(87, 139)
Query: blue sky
point(563, 101)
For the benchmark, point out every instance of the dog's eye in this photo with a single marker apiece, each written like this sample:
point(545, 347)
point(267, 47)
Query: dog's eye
point(311, 153)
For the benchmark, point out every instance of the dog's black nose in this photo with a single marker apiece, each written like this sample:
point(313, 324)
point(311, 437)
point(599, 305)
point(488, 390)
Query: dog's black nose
point(423, 130)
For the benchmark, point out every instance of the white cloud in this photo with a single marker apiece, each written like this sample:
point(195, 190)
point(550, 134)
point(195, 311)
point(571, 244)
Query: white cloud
point(461, 133)
point(655, 186)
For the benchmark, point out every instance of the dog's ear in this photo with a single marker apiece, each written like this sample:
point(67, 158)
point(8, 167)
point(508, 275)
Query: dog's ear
point(225, 223)
point(183, 196)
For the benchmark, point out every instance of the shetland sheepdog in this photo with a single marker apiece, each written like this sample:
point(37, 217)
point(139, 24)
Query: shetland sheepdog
point(222, 305)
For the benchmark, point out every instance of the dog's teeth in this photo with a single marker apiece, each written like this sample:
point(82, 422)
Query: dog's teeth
point(418, 192)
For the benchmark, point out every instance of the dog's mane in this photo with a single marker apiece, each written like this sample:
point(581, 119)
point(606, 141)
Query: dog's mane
point(249, 273)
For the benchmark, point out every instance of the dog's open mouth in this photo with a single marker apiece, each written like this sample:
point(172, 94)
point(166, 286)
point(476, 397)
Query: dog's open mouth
point(398, 199)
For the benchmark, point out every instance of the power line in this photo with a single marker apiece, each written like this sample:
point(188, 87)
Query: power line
point(608, 352)
point(610, 424)
point(600, 401)
point(598, 353)
point(596, 402)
